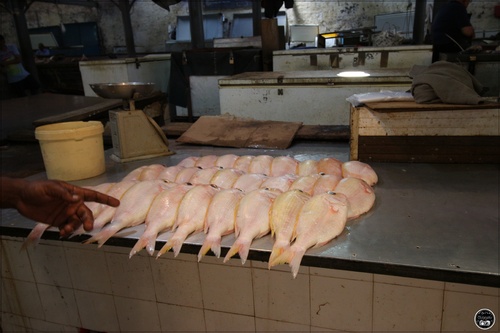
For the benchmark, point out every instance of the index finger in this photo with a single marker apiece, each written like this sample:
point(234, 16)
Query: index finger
point(91, 195)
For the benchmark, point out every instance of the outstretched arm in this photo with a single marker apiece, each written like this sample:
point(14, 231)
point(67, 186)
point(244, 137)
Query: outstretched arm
point(52, 202)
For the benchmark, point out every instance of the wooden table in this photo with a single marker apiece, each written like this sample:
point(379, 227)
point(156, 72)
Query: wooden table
point(26, 113)
point(429, 133)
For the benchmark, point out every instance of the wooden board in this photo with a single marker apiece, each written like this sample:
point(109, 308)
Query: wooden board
point(229, 131)
point(447, 135)
point(255, 41)
point(445, 122)
point(395, 106)
point(305, 132)
point(425, 149)
point(22, 114)
point(323, 132)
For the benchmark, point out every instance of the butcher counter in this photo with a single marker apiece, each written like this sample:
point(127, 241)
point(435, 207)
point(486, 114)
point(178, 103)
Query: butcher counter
point(429, 247)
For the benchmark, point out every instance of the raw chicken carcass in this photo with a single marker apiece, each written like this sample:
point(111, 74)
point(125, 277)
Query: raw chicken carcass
point(151, 172)
point(226, 178)
point(326, 183)
point(35, 235)
point(107, 212)
point(307, 167)
point(305, 183)
point(169, 174)
point(261, 164)
point(283, 218)
point(243, 162)
point(330, 166)
point(360, 195)
point(281, 183)
point(321, 219)
point(226, 161)
point(134, 174)
point(191, 216)
point(203, 176)
point(161, 216)
point(284, 165)
point(249, 181)
point(360, 170)
point(133, 209)
point(252, 221)
point(188, 162)
point(220, 220)
point(184, 175)
point(206, 161)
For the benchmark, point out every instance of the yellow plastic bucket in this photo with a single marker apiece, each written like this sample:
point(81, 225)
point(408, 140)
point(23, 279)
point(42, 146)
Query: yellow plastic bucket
point(72, 150)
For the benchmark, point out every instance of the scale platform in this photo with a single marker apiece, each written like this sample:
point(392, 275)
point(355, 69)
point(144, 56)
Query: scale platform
point(134, 134)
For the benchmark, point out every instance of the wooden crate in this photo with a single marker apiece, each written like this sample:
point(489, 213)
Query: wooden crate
point(430, 133)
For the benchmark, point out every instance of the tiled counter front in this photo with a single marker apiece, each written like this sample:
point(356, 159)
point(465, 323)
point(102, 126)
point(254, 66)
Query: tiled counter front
point(63, 286)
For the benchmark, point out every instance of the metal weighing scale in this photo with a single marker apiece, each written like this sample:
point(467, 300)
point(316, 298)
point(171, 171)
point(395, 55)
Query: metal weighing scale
point(135, 135)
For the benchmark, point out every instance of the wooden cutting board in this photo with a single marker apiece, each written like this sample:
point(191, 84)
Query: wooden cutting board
point(230, 131)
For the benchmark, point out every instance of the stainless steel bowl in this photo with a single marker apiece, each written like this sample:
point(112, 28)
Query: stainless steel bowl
point(123, 90)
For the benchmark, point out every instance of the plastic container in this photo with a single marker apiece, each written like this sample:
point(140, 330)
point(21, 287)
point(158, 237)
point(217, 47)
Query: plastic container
point(72, 150)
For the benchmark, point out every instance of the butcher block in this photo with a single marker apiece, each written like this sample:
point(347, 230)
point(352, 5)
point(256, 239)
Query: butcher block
point(427, 133)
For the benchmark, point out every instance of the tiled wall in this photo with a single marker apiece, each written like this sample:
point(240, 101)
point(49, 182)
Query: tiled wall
point(62, 286)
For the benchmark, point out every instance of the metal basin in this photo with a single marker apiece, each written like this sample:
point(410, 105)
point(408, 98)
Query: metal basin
point(123, 90)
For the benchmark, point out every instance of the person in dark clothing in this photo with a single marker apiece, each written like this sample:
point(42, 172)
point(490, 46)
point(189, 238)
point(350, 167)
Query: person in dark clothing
point(272, 7)
point(451, 31)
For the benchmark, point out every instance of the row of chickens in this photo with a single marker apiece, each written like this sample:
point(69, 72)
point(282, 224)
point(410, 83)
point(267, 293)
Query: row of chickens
point(303, 204)
point(264, 166)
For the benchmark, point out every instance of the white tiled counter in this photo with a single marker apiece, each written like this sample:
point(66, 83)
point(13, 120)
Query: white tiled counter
point(61, 286)
point(372, 278)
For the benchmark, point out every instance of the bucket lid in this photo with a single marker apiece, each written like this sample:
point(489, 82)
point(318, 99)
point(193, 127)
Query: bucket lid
point(72, 130)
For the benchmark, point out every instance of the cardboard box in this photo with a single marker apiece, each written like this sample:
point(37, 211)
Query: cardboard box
point(429, 133)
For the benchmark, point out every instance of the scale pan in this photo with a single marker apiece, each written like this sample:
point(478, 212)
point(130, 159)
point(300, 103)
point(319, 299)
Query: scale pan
point(122, 90)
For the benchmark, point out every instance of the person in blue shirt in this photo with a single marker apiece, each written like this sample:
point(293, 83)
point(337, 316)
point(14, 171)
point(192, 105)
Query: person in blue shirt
point(42, 51)
point(19, 79)
point(451, 30)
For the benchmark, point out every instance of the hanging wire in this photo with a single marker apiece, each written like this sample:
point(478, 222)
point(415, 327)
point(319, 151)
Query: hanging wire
point(59, 12)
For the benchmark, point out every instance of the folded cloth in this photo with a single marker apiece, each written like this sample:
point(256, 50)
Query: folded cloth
point(445, 82)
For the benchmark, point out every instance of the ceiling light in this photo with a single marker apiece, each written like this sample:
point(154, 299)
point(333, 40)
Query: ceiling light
point(353, 74)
